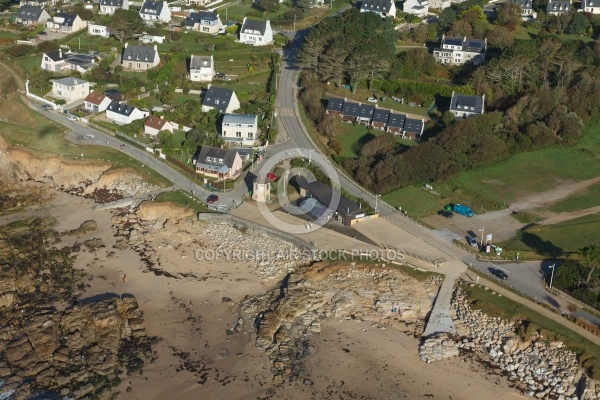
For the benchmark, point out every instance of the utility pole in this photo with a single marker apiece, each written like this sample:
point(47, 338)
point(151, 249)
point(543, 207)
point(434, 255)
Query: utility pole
point(309, 155)
point(377, 196)
point(552, 276)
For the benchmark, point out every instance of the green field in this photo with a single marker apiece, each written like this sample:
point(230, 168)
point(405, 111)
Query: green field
point(184, 199)
point(417, 202)
point(352, 137)
point(590, 198)
point(588, 353)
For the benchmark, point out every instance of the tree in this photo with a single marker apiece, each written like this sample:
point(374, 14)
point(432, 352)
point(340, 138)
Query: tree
point(40, 79)
point(125, 23)
point(83, 12)
point(501, 38)
point(591, 254)
point(447, 18)
point(461, 28)
point(509, 15)
point(303, 5)
point(267, 5)
point(579, 25)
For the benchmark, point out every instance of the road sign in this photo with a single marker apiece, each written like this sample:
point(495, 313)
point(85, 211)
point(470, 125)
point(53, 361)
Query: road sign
point(488, 237)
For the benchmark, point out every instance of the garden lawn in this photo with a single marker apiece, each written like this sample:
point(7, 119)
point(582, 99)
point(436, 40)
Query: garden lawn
point(417, 202)
point(591, 198)
point(362, 95)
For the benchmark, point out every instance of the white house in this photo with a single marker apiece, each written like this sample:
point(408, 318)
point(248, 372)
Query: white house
point(416, 7)
point(240, 129)
point(124, 114)
point(155, 11)
point(139, 58)
point(465, 106)
point(526, 8)
point(457, 51)
point(197, 2)
point(98, 30)
point(108, 7)
point(65, 22)
point(96, 102)
point(38, 3)
point(256, 33)
point(70, 89)
point(440, 4)
point(221, 99)
point(590, 6)
point(152, 39)
point(203, 21)
point(202, 68)
point(153, 125)
point(383, 8)
point(57, 60)
point(558, 7)
point(32, 15)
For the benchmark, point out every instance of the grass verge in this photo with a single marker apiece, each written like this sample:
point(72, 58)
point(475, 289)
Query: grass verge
point(183, 199)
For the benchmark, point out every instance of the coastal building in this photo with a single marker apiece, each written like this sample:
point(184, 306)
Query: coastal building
point(98, 30)
point(31, 16)
point(124, 114)
point(202, 68)
point(383, 8)
point(96, 102)
point(240, 129)
point(458, 51)
point(57, 60)
point(66, 22)
point(108, 7)
point(70, 89)
point(526, 8)
point(465, 106)
point(221, 99)
point(205, 22)
point(256, 33)
point(139, 58)
point(153, 125)
point(218, 163)
point(155, 11)
point(590, 6)
point(416, 7)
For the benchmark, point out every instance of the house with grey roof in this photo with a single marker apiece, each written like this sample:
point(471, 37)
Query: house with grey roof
point(108, 7)
point(155, 11)
point(66, 22)
point(526, 8)
point(139, 58)
point(256, 33)
point(458, 51)
point(221, 99)
point(590, 6)
point(465, 106)
point(38, 3)
point(70, 89)
point(124, 114)
point(240, 129)
point(559, 7)
point(413, 128)
point(59, 60)
point(416, 7)
point(383, 8)
point(202, 68)
point(357, 113)
point(395, 123)
point(334, 105)
point(380, 118)
point(218, 163)
point(31, 15)
point(205, 22)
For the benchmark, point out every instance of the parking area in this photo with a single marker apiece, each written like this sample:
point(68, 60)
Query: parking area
point(50, 35)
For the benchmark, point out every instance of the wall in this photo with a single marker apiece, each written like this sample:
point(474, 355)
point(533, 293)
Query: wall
point(253, 226)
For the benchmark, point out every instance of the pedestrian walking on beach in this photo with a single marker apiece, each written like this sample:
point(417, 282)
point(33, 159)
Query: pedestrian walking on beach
point(124, 278)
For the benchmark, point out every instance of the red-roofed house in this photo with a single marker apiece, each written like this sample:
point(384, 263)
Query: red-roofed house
point(96, 102)
point(153, 125)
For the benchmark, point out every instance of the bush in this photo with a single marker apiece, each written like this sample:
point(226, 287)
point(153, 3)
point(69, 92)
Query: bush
point(231, 30)
point(60, 102)
point(20, 50)
point(47, 46)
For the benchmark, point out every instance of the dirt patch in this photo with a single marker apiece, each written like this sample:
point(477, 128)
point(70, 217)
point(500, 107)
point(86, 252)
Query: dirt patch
point(563, 190)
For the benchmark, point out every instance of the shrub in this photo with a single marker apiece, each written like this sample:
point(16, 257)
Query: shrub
point(20, 50)
point(231, 30)
point(60, 102)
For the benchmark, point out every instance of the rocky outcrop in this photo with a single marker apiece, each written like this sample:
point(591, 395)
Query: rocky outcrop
point(285, 319)
point(538, 367)
point(438, 347)
point(72, 352)
point(82, 177)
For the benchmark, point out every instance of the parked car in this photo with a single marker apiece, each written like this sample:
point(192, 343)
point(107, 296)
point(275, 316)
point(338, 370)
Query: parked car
point(372, 100)
point(473, 241)
point(500, 274)
point(42, 33)
point(72, 118)
point(447, 214)
point(212, 198)
point(46, 107)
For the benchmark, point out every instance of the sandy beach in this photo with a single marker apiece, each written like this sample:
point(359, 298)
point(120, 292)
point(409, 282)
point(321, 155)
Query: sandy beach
point(190, 313)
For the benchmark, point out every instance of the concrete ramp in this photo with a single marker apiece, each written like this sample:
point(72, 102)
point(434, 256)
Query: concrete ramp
point(115, 204)
point(440, 319)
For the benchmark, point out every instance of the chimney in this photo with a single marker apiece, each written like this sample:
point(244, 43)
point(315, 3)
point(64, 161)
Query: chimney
point(126, 44)
point(155, 48)
point(60, 52)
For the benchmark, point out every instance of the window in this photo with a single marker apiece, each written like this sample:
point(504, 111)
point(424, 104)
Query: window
point(238, 134)
point(139, 65)
point(220, 161)
point(250, 135)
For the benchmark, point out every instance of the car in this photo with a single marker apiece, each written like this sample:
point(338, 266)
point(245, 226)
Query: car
point(500, 274)
point(72, 118)
point(213, 198)
point(447, 214)
point(473, 241)
point(46, 107)
point(384, 98)
point(372, 100)
point(42, 33)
